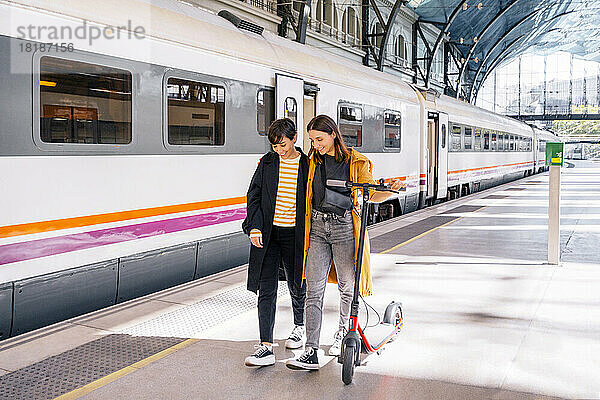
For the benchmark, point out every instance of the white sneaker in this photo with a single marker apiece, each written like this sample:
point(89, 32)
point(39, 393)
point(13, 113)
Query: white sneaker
point(336, 347)
point(261, 357)
point(296, 339)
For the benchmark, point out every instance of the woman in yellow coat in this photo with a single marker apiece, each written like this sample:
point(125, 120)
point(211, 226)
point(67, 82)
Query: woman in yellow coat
point(331, 235)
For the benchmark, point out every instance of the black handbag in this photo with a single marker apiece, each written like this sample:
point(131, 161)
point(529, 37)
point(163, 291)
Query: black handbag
point(337, 199)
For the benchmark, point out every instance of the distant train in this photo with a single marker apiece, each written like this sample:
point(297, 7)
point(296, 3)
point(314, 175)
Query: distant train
point(579, 152)
point(125, 163)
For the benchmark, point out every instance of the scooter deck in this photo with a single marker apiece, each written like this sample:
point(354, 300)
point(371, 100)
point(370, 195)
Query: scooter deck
point(379, 334)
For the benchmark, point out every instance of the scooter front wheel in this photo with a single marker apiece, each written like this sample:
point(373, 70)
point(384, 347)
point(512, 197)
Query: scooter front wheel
point(348, 365)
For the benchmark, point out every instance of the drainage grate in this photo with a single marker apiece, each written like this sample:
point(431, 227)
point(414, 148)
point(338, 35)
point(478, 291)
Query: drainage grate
point(464, 209)
point(72, 369)
point(188, 321)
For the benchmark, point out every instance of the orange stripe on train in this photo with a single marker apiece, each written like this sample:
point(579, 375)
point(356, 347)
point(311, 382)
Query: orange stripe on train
point(77, 222)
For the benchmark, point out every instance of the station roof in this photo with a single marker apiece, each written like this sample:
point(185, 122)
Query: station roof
point(496, 31)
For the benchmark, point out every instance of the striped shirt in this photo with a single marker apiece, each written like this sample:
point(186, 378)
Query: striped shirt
point(285, 204)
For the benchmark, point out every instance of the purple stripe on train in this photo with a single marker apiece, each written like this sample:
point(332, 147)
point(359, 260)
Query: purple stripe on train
point(14, 252)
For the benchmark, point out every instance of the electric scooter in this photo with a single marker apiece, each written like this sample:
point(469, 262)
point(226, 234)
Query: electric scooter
point(357, 339)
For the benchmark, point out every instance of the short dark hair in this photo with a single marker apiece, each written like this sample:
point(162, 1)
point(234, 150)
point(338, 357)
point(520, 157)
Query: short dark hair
point(280, 128)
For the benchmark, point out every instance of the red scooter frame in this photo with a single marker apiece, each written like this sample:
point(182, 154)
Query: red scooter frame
point(366, 346)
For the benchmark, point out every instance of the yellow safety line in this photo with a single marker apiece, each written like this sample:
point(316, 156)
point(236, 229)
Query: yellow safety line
point(90, 387)
point(427, 232)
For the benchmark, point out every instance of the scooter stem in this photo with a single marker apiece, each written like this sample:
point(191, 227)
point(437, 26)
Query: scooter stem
point(361, 244)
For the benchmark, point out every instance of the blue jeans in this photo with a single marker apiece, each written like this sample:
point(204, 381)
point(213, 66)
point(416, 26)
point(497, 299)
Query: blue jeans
point(331, 239)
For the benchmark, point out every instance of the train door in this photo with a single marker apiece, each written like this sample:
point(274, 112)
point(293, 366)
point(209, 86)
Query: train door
point(431, 156)
point(310, 110)
point(437, 156)
point(289, 100)
point(442, 172)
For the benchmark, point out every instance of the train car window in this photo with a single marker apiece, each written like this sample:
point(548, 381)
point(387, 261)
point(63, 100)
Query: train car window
point(528, 144)
point(456, 138)
point(290, 110)
point(494, 143)
point(512, 143)
point(486, 139)
point(543, 146)
point(196, 113)
point(500, 141)
point(468, 145)
point(350, 123)
point(393, 125)
point(265, 110)
point(84, 103)
point(477, 139)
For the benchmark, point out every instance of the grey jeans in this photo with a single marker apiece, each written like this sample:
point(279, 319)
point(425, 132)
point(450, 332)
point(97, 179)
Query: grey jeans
point(331, 237)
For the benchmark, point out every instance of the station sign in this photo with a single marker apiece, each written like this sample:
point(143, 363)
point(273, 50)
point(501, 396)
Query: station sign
point(554, 153)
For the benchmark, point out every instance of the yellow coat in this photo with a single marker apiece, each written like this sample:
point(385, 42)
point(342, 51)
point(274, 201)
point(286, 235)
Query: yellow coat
point(361, 170)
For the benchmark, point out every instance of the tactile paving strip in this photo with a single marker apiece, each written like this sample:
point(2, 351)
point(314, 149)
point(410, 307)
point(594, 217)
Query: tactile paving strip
point(72, 369)
point(75, 368)
point(188, 321)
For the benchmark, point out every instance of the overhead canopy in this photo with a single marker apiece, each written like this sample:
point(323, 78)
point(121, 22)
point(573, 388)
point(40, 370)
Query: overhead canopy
point(496, 31)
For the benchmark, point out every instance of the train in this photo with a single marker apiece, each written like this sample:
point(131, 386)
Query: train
point(125, 162)
point(578, 152)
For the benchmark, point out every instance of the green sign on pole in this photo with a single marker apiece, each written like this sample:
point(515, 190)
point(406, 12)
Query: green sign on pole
point(554, 153)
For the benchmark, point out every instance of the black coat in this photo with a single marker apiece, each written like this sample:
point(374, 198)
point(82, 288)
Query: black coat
point(260, 205)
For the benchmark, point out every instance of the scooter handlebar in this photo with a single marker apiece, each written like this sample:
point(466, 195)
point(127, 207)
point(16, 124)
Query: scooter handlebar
point(382, 187)
point(338, 183)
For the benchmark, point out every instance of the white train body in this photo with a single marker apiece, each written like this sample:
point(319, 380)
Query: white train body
point(69, 206)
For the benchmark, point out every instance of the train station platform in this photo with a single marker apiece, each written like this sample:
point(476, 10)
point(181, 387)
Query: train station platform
point(485, 317)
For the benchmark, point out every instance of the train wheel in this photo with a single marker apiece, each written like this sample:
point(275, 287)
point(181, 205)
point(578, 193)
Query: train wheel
point(348, 365)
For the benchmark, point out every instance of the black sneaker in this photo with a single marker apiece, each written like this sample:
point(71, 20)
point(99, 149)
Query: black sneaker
point(308, 360)
point(261, 357)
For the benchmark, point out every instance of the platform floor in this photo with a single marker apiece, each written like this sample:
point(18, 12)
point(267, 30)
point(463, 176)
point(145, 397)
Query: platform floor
point(485, 317)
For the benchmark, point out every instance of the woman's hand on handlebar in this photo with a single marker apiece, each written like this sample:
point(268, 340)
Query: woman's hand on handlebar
point(397, 185)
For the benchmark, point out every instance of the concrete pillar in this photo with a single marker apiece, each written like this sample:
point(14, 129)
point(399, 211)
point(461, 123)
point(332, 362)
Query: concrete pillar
point(554, 216)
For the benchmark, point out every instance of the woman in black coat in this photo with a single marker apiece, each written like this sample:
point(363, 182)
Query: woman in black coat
point(275, 223)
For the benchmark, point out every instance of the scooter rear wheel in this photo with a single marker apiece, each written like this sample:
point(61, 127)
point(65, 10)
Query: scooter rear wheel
point(348, 365)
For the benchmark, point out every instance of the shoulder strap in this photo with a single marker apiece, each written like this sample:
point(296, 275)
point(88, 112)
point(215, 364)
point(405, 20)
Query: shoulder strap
point(323, 172)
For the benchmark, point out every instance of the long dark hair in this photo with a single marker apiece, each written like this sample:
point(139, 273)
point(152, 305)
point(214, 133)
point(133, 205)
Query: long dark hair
point(323, 123)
